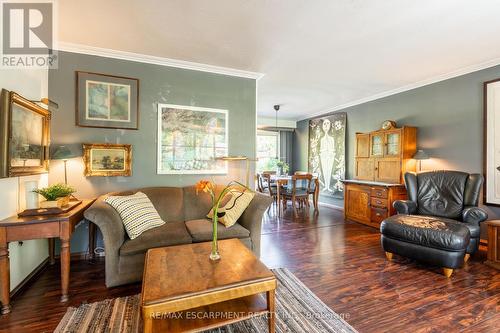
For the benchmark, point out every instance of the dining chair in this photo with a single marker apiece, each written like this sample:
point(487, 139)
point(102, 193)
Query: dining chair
point(261, 186)
point(312, 190)
point(297, 190)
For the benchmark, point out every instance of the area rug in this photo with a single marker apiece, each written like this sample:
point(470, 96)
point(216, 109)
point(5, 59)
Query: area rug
point(297, 310)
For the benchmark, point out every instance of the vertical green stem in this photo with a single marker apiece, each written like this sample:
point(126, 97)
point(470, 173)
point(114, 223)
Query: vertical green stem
point(214, 230)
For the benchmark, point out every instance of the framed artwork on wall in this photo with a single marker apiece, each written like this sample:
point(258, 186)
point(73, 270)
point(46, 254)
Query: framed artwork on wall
point(24, 136)
point(191, 139)
point(327, 153)
point(105, 159)
point(491, 151)
point(107, 101)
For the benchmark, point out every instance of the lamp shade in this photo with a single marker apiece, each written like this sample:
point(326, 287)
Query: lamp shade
point(420, 155)
point(62, 153)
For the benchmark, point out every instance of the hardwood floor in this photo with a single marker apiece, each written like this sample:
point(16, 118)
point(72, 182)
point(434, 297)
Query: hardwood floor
point(341, 262)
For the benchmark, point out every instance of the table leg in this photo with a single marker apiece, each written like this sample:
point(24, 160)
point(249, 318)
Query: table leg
point(148, 325)
point(316, 195)
point(52, 244)
point(278, 199)
point(65, 262)
point(270, 307)
point(92, 239)
point(4, 271)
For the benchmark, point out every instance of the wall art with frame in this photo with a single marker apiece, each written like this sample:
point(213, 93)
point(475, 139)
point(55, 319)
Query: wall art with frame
point(191, 140)
point(107, 101)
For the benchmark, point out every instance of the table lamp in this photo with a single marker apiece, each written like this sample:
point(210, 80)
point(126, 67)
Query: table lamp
point(420, 155)
point(63, 153)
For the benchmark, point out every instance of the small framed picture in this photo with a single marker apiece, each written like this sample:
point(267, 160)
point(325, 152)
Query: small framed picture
point(107, 101)
point(104, 159)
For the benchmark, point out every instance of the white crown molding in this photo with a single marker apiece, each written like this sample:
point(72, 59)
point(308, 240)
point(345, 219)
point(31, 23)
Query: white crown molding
point(149, 59)
point(426, 82)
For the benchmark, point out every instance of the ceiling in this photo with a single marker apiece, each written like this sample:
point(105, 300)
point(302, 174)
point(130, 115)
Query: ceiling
point(316, 55)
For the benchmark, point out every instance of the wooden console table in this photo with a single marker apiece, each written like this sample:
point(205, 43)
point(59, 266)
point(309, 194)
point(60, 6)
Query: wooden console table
point(39, 227)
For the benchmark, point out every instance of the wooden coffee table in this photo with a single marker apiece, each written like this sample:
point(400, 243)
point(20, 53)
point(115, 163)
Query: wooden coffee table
point(184, 291)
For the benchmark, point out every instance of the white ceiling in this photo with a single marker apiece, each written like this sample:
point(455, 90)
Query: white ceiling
point(316, 55)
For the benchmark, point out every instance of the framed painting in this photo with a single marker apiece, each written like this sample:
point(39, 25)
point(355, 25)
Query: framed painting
point(105, 159)
point(491, 151)
point(107, 101)
point(191, 139)
point(24, 135)
point(327, 153)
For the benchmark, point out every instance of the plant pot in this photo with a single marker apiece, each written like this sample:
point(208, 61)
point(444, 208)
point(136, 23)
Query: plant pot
point(58, 203)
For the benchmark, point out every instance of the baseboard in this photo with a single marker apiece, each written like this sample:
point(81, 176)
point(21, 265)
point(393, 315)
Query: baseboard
point(30, 278)
point(330, 206)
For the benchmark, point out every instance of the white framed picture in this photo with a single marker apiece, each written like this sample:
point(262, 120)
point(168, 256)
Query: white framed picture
point(492, 142)
point(191, 140)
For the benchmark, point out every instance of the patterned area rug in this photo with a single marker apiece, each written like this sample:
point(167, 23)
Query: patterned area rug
point(297, 310)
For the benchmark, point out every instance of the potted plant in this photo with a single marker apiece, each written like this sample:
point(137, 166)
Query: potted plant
point(283, 168)
point(56, 196)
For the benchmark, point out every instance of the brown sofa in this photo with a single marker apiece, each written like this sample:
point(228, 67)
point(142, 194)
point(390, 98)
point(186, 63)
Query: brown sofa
point(184, 212)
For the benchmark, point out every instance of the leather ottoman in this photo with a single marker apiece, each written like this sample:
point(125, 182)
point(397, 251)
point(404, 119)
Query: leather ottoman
point(433, 240)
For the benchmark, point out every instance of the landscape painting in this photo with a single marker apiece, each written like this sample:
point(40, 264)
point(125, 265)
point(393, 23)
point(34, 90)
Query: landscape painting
point(26, 137)
point(107, 101)
point(191, 140)
point(327, 153)
point(107, 159)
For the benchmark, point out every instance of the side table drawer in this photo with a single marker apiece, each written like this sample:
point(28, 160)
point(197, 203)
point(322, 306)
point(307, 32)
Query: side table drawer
point(34, 231)
point(379, 192)
point(378, 202)
point(378, 214)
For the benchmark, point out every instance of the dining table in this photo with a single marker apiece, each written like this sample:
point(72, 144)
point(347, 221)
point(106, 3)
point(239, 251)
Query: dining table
point(282, 180)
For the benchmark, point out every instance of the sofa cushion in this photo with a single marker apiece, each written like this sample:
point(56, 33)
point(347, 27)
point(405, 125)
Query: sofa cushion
point(201, 230)
point(171, 233)
point(137, 213)
point(441, 193)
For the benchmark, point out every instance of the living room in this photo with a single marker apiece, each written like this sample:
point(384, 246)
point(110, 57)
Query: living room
point(240, 166)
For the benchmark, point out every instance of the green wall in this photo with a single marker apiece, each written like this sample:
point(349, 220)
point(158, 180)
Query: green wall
point(158, 84)
point(448, 114)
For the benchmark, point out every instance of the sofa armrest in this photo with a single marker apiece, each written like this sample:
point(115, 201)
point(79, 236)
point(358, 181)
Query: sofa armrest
point(109, 222)
point(251, 219)
point(472, 214)
point(407, 207)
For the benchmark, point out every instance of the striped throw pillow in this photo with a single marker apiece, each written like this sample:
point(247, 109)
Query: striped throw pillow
point(137, 212)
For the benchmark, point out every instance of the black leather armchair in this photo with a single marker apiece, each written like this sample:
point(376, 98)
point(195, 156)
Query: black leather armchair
point(447, 194)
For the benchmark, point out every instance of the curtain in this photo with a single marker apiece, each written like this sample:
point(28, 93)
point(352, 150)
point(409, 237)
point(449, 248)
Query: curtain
point(286, 147)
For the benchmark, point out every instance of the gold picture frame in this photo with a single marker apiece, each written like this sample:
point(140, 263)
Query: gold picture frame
point(24, 136)
point(107, 160)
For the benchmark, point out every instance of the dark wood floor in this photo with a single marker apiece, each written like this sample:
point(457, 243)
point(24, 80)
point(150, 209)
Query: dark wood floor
point(341, 262)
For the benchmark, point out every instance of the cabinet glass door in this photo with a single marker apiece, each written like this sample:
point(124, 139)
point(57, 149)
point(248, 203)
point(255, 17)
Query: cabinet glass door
point(392, 141)
point(377, 145)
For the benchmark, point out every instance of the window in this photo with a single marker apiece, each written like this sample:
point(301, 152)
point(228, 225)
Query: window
point(267, 150)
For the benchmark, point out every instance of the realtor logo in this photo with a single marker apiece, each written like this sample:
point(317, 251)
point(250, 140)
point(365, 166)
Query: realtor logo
point(28, 34)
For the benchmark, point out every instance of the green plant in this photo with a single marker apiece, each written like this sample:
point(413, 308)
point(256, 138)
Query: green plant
point(283, 165)
point(53, 192)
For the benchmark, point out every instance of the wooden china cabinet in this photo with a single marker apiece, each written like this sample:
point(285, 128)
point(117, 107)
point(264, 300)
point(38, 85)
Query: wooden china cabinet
point(382, 157)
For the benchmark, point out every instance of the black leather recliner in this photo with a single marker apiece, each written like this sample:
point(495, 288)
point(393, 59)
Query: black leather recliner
point(446, 194)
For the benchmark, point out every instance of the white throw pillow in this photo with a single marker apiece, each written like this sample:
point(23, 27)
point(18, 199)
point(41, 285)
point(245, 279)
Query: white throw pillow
point(137, 212)
point(236, 203)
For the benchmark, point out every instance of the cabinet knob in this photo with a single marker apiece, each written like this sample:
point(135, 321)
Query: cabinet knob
point(378, 214)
